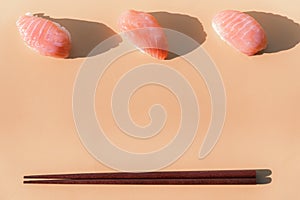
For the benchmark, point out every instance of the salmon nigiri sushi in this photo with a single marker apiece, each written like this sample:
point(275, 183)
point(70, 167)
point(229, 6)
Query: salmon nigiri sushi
point(143, 30)
point(240, 30)
point(44, 36)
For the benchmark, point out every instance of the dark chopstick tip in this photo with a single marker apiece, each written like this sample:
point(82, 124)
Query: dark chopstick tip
point(263, 172)
point(263, 180)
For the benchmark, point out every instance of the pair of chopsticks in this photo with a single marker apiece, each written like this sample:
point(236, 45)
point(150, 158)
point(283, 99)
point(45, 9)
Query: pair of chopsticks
point(217, 177)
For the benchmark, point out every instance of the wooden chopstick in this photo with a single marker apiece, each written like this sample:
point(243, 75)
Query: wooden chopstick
point(153, 175)
point(207, 181)
point(217, 177)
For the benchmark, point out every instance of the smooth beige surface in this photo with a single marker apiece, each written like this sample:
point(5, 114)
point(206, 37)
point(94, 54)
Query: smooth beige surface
point(38, 135)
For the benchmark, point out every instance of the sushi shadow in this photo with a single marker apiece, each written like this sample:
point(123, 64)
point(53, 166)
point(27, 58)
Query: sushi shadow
point(282, 33)
point(86, 35)
point(190, 26)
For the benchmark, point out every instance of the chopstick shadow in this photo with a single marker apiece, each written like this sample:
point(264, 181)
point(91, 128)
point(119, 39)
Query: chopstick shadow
point(282, 32)
point(262, 176)
point(86, 35)
point(190, 26)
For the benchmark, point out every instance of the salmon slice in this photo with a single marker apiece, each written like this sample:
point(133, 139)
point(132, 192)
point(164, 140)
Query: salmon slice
point(143, 30)
point(240, 30)
point(44, 36)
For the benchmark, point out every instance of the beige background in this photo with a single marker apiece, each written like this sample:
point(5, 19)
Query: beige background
point(38, 134)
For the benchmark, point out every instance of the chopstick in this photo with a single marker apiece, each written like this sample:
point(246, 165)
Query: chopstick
point(154, 175)
point(217, 181)
point(219, 177)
